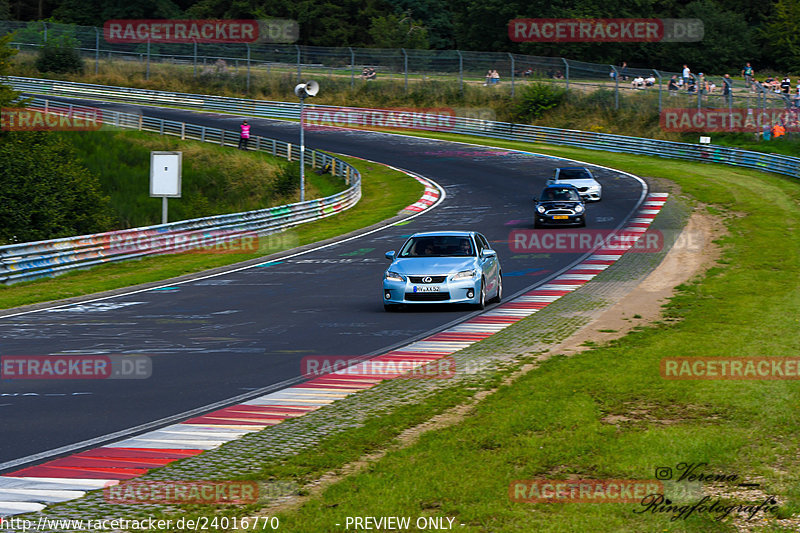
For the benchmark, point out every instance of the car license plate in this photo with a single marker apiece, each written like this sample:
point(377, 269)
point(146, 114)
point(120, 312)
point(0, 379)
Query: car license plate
point(425, 289)
point(560, 217)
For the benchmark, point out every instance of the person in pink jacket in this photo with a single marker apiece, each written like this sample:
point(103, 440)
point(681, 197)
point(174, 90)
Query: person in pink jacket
point(244, 136)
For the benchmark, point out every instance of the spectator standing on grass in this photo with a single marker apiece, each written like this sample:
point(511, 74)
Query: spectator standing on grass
point(747, 72)
point(786, 85)
point(624, 71)
point(244, 135)
point(687, 75)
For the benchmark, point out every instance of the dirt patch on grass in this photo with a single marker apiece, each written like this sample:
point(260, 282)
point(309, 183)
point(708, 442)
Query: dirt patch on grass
point(694, 252)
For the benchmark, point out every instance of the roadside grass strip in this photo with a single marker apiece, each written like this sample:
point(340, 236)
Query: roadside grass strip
point(133, 457)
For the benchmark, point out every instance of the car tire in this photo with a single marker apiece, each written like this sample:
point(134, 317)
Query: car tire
point(482, 298)
point(499, 295)
point(583, 223)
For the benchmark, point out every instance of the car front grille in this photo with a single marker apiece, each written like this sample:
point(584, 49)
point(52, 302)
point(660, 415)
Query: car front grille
point(427, 296)
point(434, 279)
point(561, 212)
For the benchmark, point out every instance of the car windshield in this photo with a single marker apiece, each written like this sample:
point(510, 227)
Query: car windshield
point(573, 174)
point(438, 246)
point(560, 194)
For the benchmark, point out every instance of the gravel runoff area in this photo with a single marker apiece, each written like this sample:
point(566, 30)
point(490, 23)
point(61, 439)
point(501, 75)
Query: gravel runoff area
point(483, 361)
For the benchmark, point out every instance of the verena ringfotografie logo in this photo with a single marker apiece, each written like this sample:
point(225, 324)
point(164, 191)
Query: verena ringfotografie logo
point(583, 490)
point(730, 368)
point(207, 242)
point(431, 119)
point(383, 368)
point(37, 119)
point(623, 30)
point(182, 492)
point(200, 31)
point(736, 119)
point(75, 367)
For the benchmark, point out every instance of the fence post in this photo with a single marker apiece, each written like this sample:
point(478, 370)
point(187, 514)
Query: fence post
point(45, 32)
point(96, 50)
point(512, 73)
point(616, 86)
point(699, 91)
point(352, 68)
point(194, 58)
point(460, 71)
point(659, 89)
point(405, 67)
point(566, 71)
point(147, 74)
point(299, 73)
point(248, 67)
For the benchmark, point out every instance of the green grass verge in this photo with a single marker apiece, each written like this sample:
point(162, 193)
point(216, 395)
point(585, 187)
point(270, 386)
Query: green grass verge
point(384, 193)
point(553, 422)
point(214, 179)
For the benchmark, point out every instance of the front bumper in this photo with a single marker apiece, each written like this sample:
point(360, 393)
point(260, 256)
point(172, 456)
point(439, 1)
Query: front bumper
point(549, 220)
point(449, 292)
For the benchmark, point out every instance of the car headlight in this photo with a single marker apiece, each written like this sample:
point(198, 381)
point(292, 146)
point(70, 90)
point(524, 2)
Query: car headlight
point(579, 209)
point(464, 274)
point(540, 208)
point(393, 276)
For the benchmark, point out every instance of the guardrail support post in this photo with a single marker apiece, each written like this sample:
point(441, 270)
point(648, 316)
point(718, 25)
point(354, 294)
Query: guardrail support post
point(566, 71)
point(222, 137)
point(258, 143)
point(352, 68)
point(183, 131)
point(512, 73)
point(141, 118)
point(274, 148)
point(96, 50)
point(288, 151)
point(203, 133)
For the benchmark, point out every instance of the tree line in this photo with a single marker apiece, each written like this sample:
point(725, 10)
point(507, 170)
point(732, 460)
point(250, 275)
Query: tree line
point(736, 31)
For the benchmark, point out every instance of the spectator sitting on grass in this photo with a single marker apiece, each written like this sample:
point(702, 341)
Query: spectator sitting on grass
point(638, 82)
point(672, 86)
point(650, 81)
point(495, 77)
point(786, 85)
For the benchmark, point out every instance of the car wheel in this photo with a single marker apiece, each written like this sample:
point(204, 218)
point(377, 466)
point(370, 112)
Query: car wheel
point(583, 223)
point(499, 295)
point(482, 302)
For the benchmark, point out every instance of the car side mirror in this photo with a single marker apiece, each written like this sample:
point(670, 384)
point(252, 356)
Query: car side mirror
point(486, 253)
point(390, 255)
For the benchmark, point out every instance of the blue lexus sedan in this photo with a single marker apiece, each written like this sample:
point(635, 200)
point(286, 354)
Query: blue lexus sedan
point(443, 267)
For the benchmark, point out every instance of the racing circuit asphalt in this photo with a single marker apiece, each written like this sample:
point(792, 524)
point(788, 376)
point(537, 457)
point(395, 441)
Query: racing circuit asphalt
point(212, 339)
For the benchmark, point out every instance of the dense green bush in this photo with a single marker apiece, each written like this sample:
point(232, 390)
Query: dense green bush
point(537, 98)
point(287, 180)
point(46, 192)
point(60, 57)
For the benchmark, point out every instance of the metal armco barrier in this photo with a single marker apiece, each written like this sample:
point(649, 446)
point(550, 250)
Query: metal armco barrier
point(26, 261)
point(786, 165)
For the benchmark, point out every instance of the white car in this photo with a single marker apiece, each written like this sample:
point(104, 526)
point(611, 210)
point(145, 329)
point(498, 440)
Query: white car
point(582, 179)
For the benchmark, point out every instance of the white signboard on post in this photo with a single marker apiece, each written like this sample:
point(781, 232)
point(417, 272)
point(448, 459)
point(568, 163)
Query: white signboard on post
point(165, 174)
point(165, 178)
